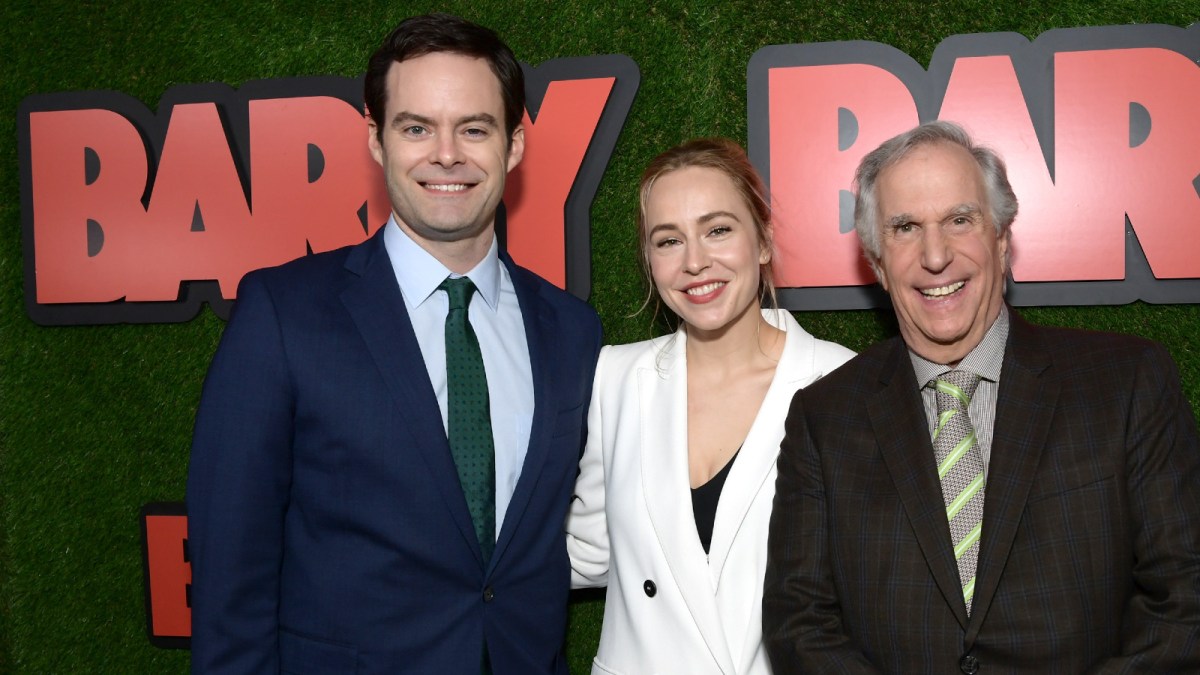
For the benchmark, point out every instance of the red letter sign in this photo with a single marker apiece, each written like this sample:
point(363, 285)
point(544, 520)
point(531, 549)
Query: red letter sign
point(168, 574)
point(262, 175)
point(1097, 127)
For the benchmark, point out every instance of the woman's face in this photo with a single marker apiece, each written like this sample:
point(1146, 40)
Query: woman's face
point(703, 249)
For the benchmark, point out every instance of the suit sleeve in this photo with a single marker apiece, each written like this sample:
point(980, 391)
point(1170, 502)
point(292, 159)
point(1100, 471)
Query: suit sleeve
point(802, 624)
point(1161, 625)
point(587, 524)
point(238, 483)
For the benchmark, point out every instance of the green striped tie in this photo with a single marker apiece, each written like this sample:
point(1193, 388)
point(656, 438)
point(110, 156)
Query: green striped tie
point(960, 468)
point(469, 419)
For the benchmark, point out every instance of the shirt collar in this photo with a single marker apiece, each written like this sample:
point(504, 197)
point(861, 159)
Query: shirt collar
point(419, 273)
point(985, 360)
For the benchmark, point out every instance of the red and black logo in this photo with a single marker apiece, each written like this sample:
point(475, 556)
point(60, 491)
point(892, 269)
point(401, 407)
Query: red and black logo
point(131, 216)
point(1098, 127)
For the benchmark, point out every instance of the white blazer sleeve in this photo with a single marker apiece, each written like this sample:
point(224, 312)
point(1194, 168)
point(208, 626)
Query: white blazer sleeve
point(587, 526)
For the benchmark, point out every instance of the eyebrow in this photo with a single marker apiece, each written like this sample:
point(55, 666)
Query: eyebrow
point(718, 214)
point(662, 226)
point(710, 216)
point(406, 117)
point(898, 220)
point(485, 118)
point(964, 209)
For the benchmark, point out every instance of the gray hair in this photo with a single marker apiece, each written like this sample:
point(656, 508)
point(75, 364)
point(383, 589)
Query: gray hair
point(1001, 200)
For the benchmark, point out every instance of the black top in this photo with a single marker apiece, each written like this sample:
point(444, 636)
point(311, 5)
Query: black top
point(704, 503)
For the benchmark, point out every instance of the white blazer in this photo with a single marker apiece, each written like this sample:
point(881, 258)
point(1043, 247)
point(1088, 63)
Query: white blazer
point(670, 608)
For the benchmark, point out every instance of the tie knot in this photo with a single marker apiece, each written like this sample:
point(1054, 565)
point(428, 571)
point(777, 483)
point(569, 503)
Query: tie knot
point(458, 290)
point(954, 389)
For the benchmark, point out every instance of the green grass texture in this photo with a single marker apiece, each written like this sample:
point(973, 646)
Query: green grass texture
point(96, 421)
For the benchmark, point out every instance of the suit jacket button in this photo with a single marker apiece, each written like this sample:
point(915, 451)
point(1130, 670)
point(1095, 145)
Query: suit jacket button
point(650, 588)
point(969, 664)
point(488, 594)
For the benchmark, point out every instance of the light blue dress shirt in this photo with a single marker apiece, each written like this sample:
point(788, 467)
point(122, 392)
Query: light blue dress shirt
point(495, 316)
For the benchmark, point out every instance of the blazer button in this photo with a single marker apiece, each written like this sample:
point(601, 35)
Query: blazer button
point(650, 588)
point(969, 664)
point(488, 594)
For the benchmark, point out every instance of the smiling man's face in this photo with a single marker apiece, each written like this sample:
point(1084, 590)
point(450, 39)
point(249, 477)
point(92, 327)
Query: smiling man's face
point(443, 148)
point(940, 258)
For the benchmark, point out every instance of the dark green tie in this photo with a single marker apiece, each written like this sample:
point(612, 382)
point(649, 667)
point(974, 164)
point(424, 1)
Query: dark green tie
point(470, 420)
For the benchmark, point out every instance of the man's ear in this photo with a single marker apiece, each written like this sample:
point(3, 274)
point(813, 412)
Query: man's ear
point(516, 147)
point(373, 142)
point(1004, 250)
point(877, 271)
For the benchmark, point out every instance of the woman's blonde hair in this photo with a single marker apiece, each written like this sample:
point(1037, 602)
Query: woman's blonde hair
point(730, 159)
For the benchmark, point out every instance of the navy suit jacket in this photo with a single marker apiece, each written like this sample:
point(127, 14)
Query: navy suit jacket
point(1090, 554)
point(328, 532)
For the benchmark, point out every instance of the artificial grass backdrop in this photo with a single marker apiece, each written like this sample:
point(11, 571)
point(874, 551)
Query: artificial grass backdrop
point(95, 421)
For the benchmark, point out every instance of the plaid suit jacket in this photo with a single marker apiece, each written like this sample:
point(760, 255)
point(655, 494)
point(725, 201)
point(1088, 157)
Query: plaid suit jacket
point(1090, 552)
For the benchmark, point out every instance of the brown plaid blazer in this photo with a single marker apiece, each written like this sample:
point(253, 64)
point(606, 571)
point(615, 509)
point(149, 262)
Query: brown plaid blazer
point(1090, 553)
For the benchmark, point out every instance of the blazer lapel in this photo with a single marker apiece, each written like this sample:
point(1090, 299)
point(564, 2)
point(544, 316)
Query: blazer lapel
point(377, 309)
point(760, 450)
point(1024, 412)
point(539, 322)
point(898, 419)
point(662, 401)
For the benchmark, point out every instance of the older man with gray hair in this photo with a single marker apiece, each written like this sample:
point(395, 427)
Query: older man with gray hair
point(979, 493)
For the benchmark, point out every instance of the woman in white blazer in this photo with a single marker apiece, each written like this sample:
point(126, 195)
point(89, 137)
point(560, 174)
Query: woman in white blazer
point(677, 479)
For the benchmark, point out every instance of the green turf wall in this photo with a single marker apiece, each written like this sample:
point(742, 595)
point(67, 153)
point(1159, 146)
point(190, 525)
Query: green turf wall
point(95, 421)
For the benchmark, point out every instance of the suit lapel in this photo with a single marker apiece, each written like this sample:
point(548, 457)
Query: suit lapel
point(377, 309)
point(1024, 412)
point(539, 322)
point(662, 401)
point(898, 419)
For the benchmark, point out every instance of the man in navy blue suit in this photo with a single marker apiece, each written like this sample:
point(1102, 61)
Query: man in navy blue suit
point(329, 530)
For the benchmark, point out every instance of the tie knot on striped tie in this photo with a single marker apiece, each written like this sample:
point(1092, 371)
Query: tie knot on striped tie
point(458, 290)
point(954, 389)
